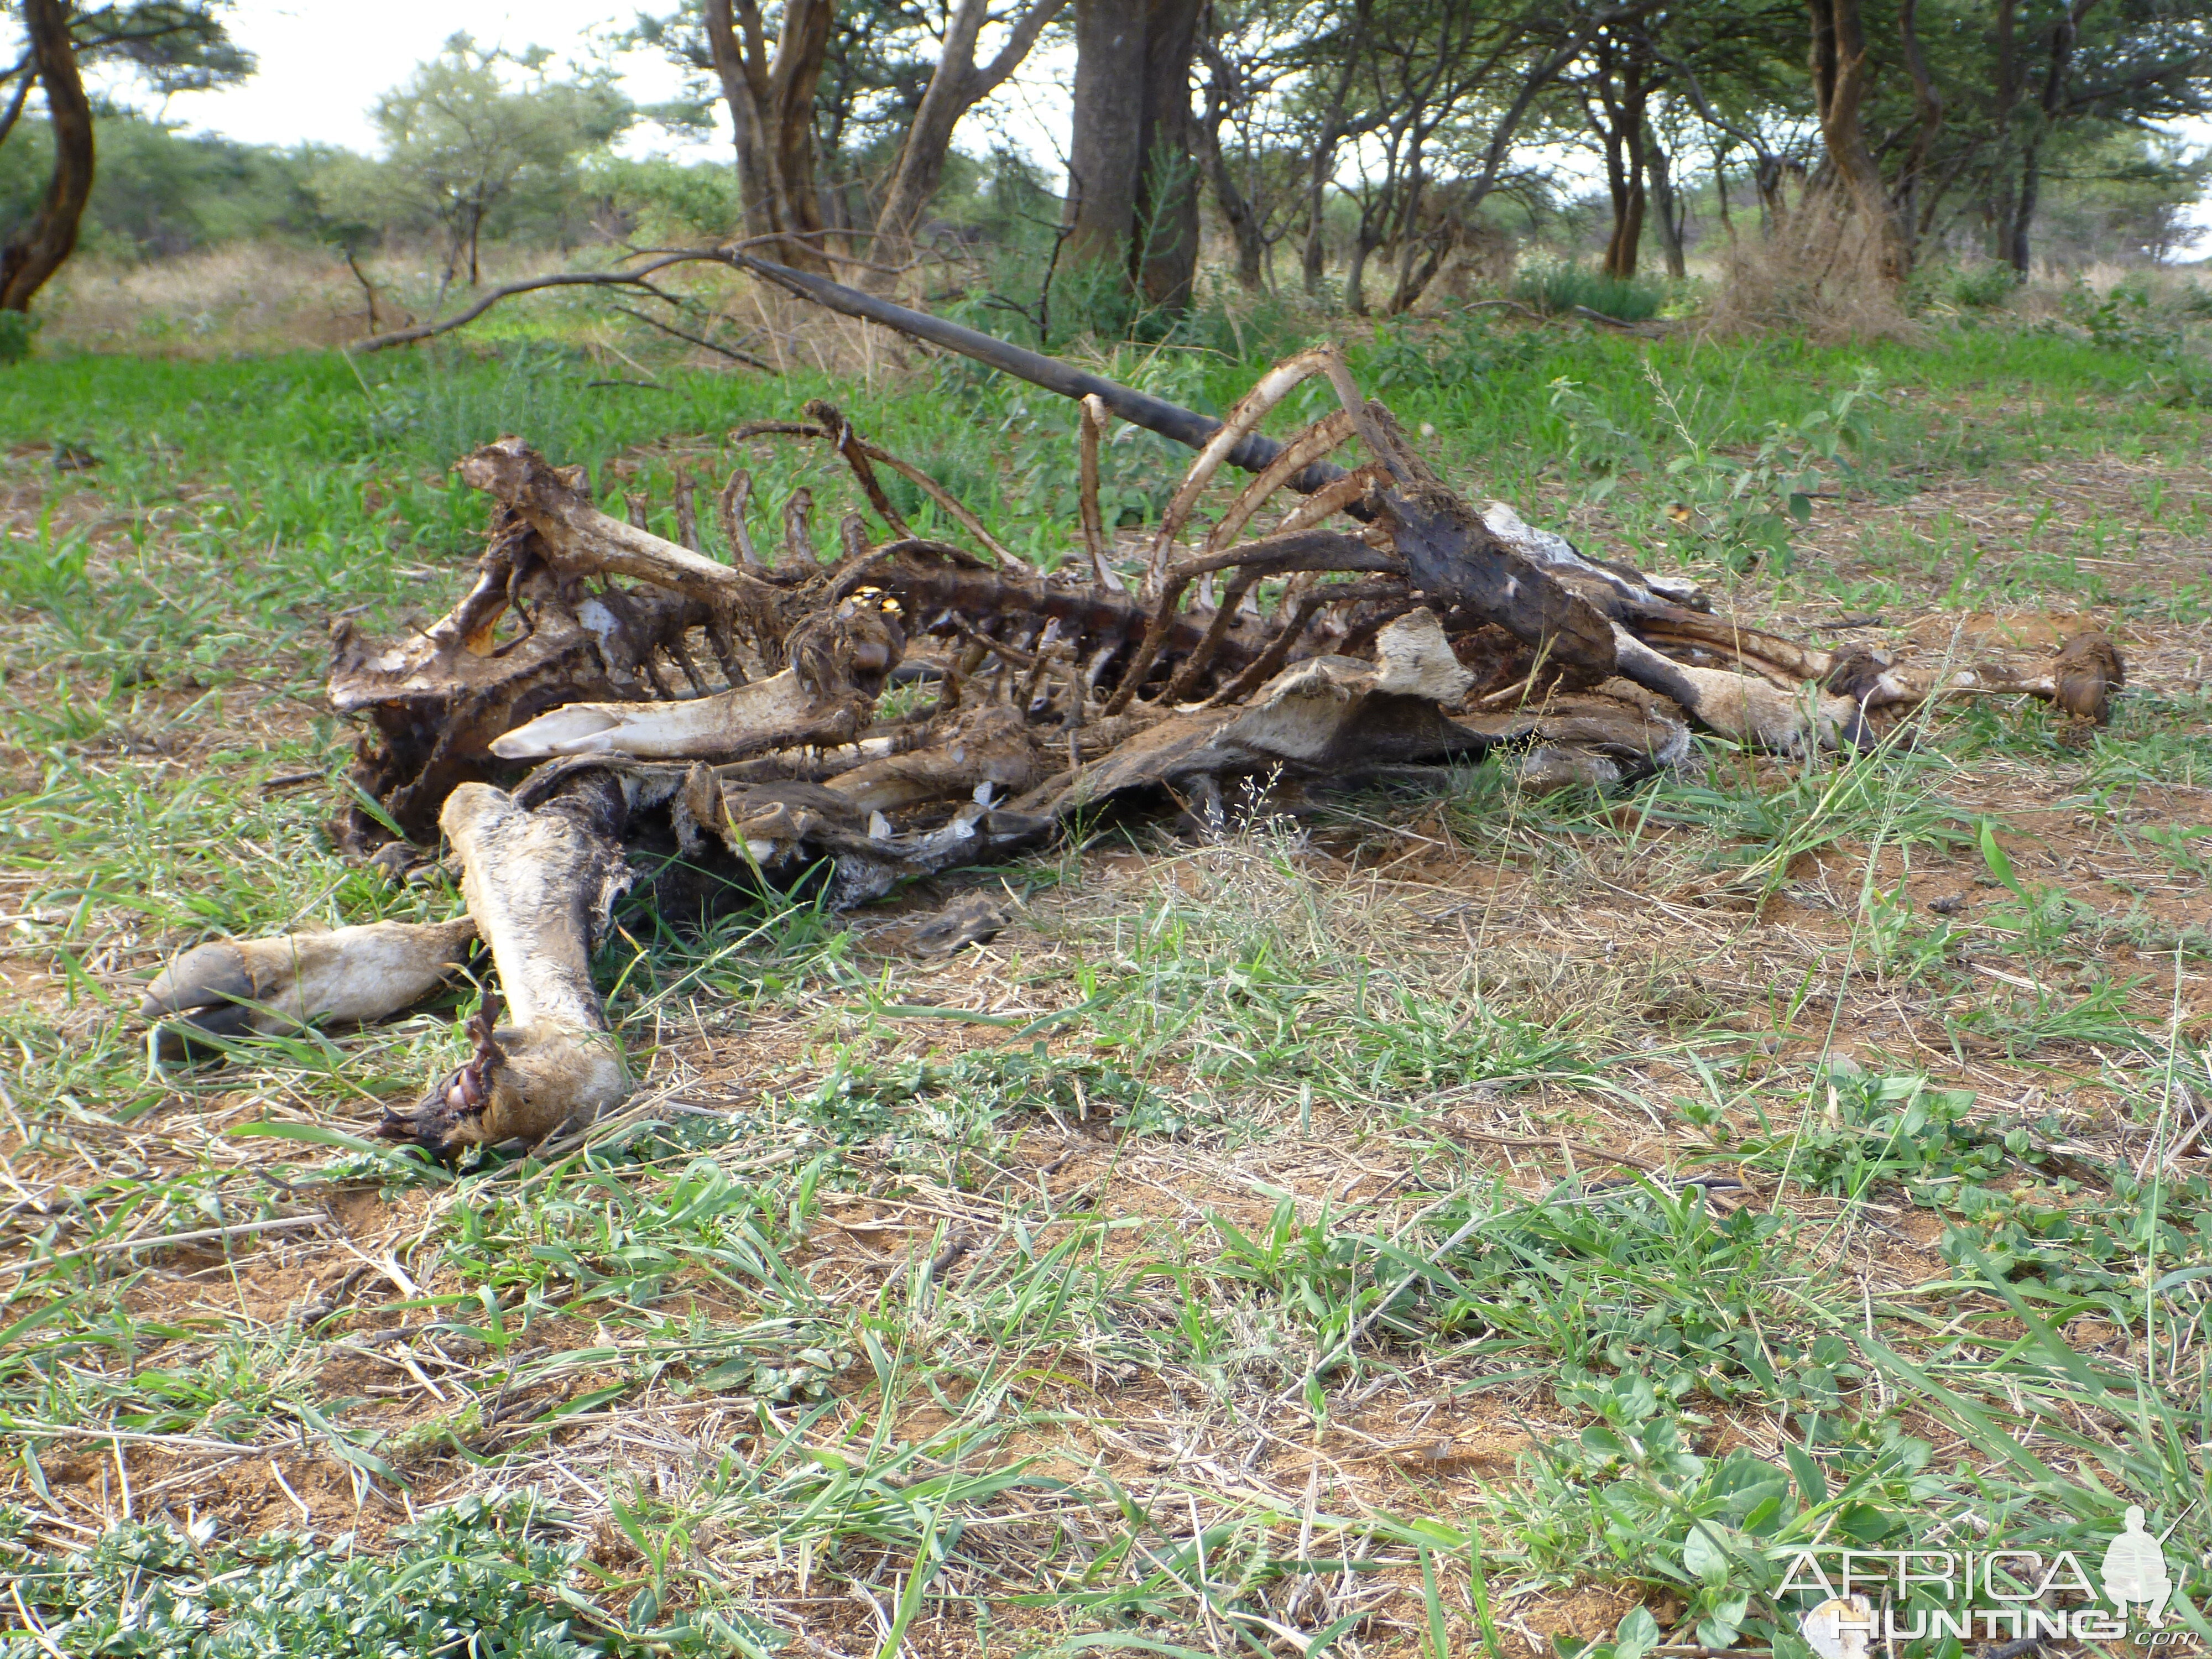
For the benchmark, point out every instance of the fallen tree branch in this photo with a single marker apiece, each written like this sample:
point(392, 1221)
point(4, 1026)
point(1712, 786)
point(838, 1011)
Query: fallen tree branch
point(634, 278)
point(1252, 454)
point(732, 255)
point(564, 279)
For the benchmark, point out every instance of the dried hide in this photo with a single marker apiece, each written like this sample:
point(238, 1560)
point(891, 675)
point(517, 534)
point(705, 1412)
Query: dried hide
point(597, 683)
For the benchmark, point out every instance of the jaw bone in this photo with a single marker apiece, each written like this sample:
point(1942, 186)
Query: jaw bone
point(539, 885)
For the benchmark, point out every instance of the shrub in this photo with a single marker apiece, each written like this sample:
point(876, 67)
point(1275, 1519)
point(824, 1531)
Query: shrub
point(1557, 290)
point(1984, 289)
point(16, 328)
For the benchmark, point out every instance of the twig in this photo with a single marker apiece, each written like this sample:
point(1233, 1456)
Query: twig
point(734, 355)
point(532, 285)
point(1612, 322)
point(178, 1443)
point(283, 1224)
point(1510, 305)
point(1557, 1143)
point(37, 1631)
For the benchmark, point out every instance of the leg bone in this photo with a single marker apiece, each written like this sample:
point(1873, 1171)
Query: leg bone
point(539, 885)
point(352, 976)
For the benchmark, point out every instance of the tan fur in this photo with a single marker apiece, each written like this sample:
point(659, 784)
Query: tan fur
point(349, 975)
point(1750, 710)
point(2085, 672)
point(537, 884)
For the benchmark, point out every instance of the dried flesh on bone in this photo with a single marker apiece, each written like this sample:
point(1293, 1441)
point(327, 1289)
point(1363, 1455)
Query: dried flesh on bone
point(539, 885)
point(592, 648)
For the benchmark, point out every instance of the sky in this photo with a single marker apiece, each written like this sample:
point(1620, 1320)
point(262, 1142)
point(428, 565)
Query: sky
point(321, 68)
point(324, 61)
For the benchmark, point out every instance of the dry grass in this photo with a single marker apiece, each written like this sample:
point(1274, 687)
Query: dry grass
point(1818, 274)
point(1110, 1206)
point(261, 298)
point(242, 297)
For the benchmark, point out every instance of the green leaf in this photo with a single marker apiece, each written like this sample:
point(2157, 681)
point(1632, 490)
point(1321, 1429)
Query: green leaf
point(1703, 1557)
point(2000, 866)
point(316, 1134)
point(1637, 1635)
point(1812, 1485)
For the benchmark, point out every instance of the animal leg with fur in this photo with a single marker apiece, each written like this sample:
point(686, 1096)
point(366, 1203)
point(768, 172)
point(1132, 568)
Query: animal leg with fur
point(540, 885)
point(350, 975)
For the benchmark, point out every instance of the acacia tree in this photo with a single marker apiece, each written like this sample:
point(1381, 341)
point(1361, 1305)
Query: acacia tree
point(462, 143)
point(771, 95)
point(1250, 138)
point(1455, 89)
point(1133, 185)
point(175, 45)
point(1615, 91)
point(1972, 98)
point(956, 85)
point(1335, 120)
point(800, 82)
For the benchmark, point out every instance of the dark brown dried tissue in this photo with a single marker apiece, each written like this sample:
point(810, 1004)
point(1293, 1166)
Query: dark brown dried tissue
point(912, 706)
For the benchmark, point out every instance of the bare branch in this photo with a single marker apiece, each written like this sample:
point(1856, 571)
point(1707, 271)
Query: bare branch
point(733, 355)
point(531, 285)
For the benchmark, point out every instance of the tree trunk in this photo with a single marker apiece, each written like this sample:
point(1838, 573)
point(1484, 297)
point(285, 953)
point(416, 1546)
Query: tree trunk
point(2009, 79)
point(1627, 230)
point(17, 99)
point(1106, 146)
point(1313, 255)
point(1165, 262)
point(1134, 186)
point(1624, 170)
point(1314, 259)
point(1770, 181)
point(955, 87)
point(1236, 210)
point(1623, 92)
point(2023, 217)
point(2063, 34)
point(476, 230)
point(1720, 191)
point(1658, 168)
point(1404, 291)
point(1928, 111)
point(37, 251)
point(1839, 64)
point(1363, 242)
point(772, 113)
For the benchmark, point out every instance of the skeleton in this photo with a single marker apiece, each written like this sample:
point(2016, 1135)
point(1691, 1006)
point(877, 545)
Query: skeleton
point(597, 687)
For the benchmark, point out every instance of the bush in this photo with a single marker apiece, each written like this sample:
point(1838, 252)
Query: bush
point(16, 328)
point(1557, 290)
point(1983, 289)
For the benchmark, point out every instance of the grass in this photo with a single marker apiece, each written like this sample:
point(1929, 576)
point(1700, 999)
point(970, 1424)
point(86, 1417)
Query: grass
point(1561, 289)
point(1447, 1220)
